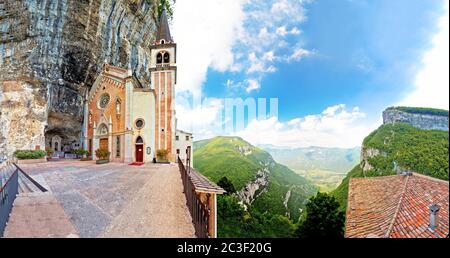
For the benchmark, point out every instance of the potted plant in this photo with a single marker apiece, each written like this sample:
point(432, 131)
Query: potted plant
point(161, 156)
point(81, 153)
point(102, 155)
point(49, 153)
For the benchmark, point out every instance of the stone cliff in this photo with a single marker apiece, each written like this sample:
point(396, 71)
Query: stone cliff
point(422, 118)
point(426, 119)
point(50, 54)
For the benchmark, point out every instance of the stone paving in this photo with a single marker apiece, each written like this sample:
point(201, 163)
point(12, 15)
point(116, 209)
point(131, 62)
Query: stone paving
point(118, 200)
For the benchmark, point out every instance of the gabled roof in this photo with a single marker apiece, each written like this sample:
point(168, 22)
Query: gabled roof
point(203, 184)
point(163, 29)
point(396, 207)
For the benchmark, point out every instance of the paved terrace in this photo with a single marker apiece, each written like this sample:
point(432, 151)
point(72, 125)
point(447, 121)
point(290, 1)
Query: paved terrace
point(111, 200)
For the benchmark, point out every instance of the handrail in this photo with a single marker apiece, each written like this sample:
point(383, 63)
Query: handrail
point(199, 211)
point(8, 193)
point(41, 188)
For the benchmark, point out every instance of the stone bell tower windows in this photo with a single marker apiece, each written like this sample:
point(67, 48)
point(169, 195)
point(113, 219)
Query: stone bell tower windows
point(163, 58)
point(166, 58)
point(159, 58)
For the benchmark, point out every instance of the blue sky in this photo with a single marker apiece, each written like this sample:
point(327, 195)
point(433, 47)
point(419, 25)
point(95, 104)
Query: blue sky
point(333, 65)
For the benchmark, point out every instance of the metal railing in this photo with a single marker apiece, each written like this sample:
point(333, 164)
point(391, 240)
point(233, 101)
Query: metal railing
point(199, 211)
point(9, 185)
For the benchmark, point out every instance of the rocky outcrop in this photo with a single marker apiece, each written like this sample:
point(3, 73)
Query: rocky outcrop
point(254, 188)
point(420, 120)
point(50, 54)
point(367, 153)
point(245, 150)
point(285, 203)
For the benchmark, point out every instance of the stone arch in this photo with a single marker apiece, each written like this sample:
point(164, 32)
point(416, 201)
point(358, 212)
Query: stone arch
point(166, 58)
point(56, 143)
point(159, 58)
point(102, 129)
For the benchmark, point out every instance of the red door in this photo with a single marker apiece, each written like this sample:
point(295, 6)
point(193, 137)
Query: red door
point(139, 153)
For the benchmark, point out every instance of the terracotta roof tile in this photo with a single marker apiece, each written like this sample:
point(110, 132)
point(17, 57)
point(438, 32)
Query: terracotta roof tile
point(396, 206)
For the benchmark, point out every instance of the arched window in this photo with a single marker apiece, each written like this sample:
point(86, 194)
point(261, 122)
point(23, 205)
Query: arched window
point(159, 58)
point(103, 129)
point(163, 41)
point(166, 58)
point(139, 140)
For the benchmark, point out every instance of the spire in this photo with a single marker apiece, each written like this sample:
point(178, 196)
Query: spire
point(163, 30)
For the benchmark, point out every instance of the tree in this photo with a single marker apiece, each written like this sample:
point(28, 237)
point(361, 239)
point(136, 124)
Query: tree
point(322, 219)
point(166, 5)
point(226, 184)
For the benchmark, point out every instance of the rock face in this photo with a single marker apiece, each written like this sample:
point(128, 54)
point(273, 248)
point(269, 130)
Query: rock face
point(367, 153)
point(50, 54)
point(419, 120)
point(253, 189)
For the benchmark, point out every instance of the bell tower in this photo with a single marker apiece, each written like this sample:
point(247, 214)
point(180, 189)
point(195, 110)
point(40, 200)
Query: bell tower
point(163, 70)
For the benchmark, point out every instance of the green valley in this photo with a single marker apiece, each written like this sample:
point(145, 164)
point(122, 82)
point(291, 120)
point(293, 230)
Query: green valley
point(269, 197)
point(325, 167)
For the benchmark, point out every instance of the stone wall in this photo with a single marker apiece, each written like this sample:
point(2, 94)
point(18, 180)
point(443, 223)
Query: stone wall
point(51, 51)
point(422, 121)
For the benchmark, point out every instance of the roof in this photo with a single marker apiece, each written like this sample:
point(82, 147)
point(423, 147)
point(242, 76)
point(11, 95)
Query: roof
point(183, 132)
point(163, 29)
point(396, 207)
point(203, 184)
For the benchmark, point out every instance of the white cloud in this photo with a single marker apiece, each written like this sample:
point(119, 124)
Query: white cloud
point(282, 31)
point(298, 54)
point(252, 85)
point(295, 31)
point(202, 119)
point(334, 127)
point(205, 31)
point(432, 81)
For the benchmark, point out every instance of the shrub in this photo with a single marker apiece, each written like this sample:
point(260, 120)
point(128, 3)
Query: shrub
point(81, 152)
point(49, 151)
point(322, 219)
point(30, 154)
point(227, 185)
point(102, 154)
point(162, 155)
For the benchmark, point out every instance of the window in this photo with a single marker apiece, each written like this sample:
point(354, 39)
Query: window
point(177, 138)
point(159, 58)
point(118, 147)
point(178, 151)
point(163, 41)
point(162, 130)
point(139, 123)
point(166, 58)
point(139, 140)
point(104, 100)
point(187, 137)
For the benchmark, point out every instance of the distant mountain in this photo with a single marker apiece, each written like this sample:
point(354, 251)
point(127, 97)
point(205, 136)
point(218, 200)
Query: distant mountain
point(401, 144)
point(262, 184)
point(325, 167)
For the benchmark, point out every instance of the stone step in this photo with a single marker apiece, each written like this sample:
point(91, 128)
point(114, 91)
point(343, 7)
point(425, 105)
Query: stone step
point(26, 185)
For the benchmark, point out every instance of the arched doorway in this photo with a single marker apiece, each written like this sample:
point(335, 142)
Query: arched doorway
point(102, 133)
point(139, 149)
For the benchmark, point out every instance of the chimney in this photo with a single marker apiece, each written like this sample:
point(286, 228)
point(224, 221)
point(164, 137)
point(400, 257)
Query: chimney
point(434, 216)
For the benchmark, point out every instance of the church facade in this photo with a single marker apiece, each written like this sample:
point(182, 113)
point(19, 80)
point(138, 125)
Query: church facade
point(130, 120)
